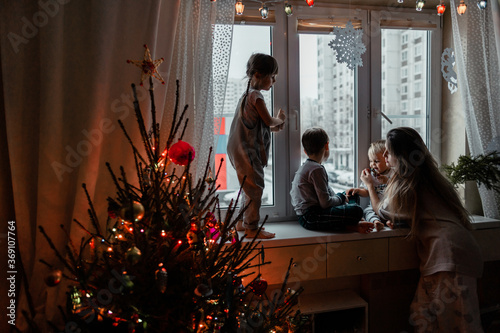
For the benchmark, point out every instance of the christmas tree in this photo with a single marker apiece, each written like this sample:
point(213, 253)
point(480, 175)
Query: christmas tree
point(166, 260)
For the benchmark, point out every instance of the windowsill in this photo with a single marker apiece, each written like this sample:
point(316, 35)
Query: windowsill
point(292, 233)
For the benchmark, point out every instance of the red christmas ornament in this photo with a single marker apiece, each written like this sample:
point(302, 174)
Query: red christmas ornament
point(53, 278)
point(181, 153)
point(259, 287)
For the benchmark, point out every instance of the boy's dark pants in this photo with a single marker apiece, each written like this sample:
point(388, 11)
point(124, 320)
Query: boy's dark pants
point(332, 218)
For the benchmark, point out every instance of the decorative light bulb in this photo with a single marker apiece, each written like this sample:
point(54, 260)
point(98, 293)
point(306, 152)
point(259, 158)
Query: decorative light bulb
point(288, 9)
point(440, 9)
point(420, 4)
point(310, 3)
point(482, 4)
point(400, 1)
point(462, 7)
point(264, 11)
point(239, 6)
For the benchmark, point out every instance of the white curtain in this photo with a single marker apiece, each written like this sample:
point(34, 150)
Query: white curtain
point(478, 80)
point(64, 83)
point(203, 26)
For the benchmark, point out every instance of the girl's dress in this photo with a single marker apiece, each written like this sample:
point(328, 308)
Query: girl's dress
point(248, 151)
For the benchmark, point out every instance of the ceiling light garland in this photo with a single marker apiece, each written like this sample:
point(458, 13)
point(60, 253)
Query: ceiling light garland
point(239, 7)
point(441, 8)
point(288, 8)
point(462, 7)
point(420, 4)
point(264, 11)
point(482, 4)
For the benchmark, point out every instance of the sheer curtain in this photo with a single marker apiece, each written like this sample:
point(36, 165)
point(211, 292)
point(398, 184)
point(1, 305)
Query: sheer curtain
point(476, 56)
point(203, 34)
point(64, 84)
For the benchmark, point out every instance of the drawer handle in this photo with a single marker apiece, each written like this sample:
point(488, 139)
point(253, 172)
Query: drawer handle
point(360, 258)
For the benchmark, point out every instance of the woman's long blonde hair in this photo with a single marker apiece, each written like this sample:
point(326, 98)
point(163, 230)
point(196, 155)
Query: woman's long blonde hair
point(417, 175)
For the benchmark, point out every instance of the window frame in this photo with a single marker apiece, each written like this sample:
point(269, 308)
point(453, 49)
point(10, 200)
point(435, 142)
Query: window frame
point(423, 20)
point(285, 41)
point(277, 211)
point(362, 89)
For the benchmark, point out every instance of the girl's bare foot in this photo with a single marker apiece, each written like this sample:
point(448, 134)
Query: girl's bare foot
point(240, 227)
point(255, 233)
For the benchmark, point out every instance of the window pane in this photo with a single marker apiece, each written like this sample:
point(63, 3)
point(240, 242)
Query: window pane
point(247, 39)
point(327, 98)
point(405, 82)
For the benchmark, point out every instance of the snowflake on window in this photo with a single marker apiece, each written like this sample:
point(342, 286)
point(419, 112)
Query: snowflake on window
point(348, 45)
point(449, 74)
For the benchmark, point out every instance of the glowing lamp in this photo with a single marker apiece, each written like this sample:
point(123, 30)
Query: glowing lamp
point(462, 7)
point(239, 6)
point(288, 9)
point(310, 3)
point(440, 9)
point(482, 4)
point(420, 4)
point(264, 12)
point(400, 1)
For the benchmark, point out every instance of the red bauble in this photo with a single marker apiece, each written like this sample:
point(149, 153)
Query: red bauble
point(181, 153)
point(53, 278)
point(259, 287)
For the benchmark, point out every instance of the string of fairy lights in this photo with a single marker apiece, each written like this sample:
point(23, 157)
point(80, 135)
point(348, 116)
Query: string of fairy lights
point(288, 8)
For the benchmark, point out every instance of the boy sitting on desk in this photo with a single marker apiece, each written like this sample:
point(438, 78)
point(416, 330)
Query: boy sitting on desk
point(315, 203)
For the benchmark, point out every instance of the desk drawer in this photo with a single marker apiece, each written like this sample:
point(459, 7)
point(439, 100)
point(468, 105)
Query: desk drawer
point(357, 257)
point(309, 263)
point(402, 254)
point(489, 242)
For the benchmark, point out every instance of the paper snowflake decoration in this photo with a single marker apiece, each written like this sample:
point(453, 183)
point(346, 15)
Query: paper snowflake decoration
point(449, 74)
point(348, 45)
point(148, 66)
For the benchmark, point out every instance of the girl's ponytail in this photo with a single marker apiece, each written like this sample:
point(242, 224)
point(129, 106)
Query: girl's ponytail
point(246, 94)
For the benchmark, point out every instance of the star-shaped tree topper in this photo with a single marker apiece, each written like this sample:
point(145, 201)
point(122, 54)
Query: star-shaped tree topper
point(148, 66)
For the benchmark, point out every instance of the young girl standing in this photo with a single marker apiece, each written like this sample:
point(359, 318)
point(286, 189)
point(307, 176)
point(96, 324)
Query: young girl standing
point(250, 139)
point(450, 259)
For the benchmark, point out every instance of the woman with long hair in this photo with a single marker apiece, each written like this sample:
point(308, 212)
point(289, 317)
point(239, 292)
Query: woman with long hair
point(419, 195)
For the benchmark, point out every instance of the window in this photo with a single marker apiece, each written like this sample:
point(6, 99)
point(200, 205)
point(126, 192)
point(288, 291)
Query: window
point(418, 50)
point(260, 37)
point(417, 80)
point(404, 38)
point(316, 90)
point(404, 106)
point(417, 69)
point(417, 104)
point(404, 56)
point(417, 87)
point(404, 72)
